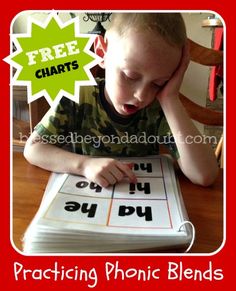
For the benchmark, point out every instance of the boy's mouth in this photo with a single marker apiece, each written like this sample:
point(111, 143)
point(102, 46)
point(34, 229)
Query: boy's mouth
point(130, 108)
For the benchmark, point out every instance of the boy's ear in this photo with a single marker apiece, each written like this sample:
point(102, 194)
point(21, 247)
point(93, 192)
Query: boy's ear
point(100, 48)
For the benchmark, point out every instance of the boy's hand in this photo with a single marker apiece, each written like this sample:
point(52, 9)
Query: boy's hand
point(171, 89)
point(107, 171)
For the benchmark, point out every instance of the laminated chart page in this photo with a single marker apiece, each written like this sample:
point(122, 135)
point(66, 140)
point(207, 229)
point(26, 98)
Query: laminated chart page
point(77, 215)
point(152, 206)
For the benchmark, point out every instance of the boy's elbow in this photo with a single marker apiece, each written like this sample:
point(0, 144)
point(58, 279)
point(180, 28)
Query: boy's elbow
point(206, 179)
point(202, 176)
point(28, 152)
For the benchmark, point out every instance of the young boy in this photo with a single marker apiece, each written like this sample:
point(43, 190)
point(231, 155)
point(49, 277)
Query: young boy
point(145, 56)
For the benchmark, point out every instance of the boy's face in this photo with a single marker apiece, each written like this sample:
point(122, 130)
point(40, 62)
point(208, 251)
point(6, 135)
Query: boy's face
point(137, 66)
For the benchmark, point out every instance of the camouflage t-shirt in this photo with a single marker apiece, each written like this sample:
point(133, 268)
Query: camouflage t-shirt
point(91, 127)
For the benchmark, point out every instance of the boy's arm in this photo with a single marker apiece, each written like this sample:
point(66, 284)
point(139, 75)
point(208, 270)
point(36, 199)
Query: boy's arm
point(197, 160)
point(103, 171)
point(50, 157)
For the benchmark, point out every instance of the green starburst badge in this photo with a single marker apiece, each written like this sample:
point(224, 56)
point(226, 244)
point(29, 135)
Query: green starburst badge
point(53, 59)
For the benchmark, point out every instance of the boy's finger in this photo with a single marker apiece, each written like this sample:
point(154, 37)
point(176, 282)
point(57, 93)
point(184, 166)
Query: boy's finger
point(130, 165)
point(127, 170)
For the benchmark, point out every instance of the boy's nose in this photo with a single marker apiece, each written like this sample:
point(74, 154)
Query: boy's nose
point(141, 94)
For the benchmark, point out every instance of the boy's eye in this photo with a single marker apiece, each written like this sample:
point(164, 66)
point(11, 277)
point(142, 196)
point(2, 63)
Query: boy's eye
point(160, 86)
point(157, 86)
point(130, 76)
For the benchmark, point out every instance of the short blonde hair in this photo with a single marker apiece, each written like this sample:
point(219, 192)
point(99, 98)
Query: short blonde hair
point(170, 26)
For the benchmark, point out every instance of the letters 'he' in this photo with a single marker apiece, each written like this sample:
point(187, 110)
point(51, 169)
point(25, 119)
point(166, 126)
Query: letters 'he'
point(75, 206)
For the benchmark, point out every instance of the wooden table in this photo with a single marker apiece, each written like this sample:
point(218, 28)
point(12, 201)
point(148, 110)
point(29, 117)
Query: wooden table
point(204, 204)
